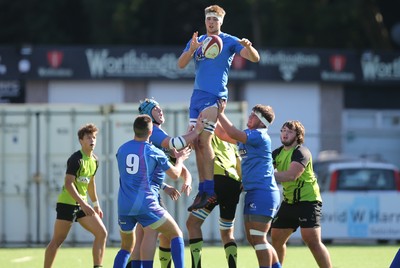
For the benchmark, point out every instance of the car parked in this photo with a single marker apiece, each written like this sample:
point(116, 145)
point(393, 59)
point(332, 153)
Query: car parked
point(325, 159)
point(361, 175)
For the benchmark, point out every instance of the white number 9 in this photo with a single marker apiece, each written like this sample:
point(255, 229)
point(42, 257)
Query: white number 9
point(132, 163)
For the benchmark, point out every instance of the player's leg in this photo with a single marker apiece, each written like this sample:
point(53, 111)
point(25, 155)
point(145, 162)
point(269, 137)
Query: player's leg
point(206, 104)
point(312, 238)
point(279, 238)
point(66, 215)
point(61, 230)
point(259, 208)
point(285, 223)
point(148, 247)
point(228, 192)
point(256, 232)
point(127, 242)
point(311, 232)
point(230, 246)
point(95, 225)
point(135, 260)
point(194, 112)
point(167, 226)
point(127, 228)
point(205, 159)
point(164, 251)
point(200, 187)
point(193, 225)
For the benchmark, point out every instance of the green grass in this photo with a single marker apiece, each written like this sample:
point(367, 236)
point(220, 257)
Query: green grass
point(298, 256)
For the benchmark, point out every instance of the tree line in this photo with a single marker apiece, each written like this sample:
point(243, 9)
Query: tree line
point(353, 24)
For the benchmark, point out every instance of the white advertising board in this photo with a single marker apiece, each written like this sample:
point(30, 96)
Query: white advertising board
point(360, 216)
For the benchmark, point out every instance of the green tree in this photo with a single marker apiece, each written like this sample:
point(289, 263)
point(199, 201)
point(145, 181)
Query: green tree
point(356, 24)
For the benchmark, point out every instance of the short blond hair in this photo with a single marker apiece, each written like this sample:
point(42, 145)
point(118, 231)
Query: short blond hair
point(215, 9)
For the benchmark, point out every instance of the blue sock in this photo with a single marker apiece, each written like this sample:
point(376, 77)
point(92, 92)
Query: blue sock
point(396, 260)
point(277, 265)
point(121, 259)
point(129, 264)
point(209, 186)
point(201, 187)
point(137, 264)
point(147, 264)
point(178, 252)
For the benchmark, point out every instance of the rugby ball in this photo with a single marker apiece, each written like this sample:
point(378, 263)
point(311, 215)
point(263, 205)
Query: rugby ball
point(212, 46)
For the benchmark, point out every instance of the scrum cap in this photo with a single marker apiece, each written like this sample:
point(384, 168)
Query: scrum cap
point(146, 106)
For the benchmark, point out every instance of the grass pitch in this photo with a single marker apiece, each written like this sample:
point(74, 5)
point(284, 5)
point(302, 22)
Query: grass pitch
point(298, 256)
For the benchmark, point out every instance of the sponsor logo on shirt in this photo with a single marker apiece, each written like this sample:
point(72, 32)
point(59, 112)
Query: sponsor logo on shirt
point(83, 179)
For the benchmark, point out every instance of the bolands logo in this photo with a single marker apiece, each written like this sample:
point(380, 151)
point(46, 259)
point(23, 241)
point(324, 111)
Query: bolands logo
point(337, 62)
point(55, 58)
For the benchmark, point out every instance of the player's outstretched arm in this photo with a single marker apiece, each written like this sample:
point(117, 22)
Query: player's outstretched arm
point(183, 141)
point(249, 52)
point(175, 170)
point(228, 126)
point(187, 181)
point(187, 56)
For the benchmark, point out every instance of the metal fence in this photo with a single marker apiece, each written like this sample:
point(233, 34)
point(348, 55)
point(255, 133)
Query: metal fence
point(35, 143)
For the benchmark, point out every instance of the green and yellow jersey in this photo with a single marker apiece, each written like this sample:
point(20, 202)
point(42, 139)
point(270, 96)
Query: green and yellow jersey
point(83, 167)
point(226, 155)
point(304, 188)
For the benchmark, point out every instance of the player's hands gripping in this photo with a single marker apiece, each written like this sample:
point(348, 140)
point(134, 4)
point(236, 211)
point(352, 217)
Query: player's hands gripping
point(200, 124)
point(245, 42)
point(221, 106)
point(183, 154)
point(194, 44)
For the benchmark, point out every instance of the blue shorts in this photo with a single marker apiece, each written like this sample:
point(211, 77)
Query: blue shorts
point(127, 222)
point(261, 202)
point(199, 101)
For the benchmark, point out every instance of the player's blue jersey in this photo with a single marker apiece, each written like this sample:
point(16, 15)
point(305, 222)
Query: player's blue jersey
point(137, 162)
point(156, 138)
point(212, 74)
point(257, 168)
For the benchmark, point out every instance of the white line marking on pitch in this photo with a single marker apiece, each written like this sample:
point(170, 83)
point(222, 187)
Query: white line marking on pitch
point(23, 259)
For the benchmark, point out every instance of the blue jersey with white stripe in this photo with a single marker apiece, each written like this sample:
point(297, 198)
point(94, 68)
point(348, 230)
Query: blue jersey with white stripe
point(137, 162)
point(212, 74)
point(257, 167)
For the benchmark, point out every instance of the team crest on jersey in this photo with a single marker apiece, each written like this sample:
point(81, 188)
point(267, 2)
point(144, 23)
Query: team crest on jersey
point(199, 56)
point(252, 206)
point(243, 152)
